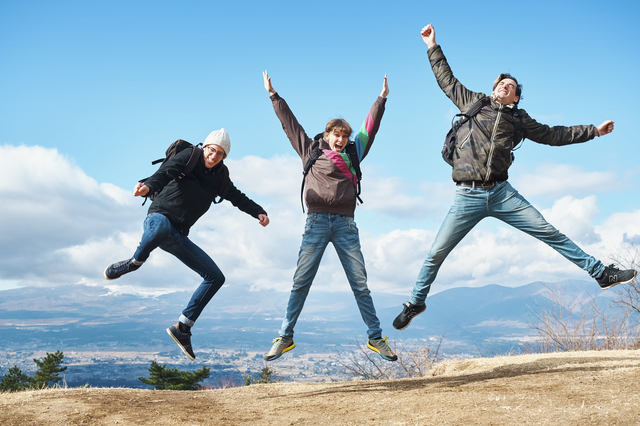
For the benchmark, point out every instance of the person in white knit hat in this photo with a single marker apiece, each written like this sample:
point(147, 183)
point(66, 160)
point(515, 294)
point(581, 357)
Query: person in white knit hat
point(182, 196)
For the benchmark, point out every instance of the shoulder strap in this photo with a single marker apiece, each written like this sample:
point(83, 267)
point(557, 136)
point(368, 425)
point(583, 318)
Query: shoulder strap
point(521, 133)
point(350, 149)
point(471, 112)
point(224, 186)
point(196, 154)
point(315, 154)
point(476, 107)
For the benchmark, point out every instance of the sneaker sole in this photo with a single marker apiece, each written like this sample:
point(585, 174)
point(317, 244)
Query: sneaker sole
point(293, 345)
point(621, 282)
point(192, 358)
point(105, 275)
point(373, 348)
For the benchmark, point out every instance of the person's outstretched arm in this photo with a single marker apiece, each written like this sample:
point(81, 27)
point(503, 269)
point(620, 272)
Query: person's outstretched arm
point(294, 131)
point(367, 133)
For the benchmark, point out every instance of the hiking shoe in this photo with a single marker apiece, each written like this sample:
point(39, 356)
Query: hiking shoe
point(613, 276)
point(118, 269)
point(280, 346)
point(409, 312)
point(182, 339)
point(382, 347)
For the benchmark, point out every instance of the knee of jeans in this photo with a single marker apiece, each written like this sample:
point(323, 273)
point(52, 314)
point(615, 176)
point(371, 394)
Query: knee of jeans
point(161, 228)
point(361, 289)
point(215, 277)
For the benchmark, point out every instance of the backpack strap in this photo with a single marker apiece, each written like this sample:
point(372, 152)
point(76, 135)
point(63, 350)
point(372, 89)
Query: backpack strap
point(315, 154)
point(196, 154)
point(521, 133)
point(471, 112)
point(350, 149)
point(224, 186)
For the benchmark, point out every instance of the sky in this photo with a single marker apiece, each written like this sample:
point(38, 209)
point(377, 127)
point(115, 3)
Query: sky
point(92, 92)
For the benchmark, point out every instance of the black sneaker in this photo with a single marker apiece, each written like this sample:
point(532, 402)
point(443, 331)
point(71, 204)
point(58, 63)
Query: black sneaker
point(409, 312)
point(118, 269)
point(182, 339)
point(613, 276)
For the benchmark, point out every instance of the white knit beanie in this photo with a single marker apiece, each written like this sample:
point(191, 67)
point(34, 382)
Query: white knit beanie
point(220, 138)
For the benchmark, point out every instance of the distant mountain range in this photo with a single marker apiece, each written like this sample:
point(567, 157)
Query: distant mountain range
point(481, 321)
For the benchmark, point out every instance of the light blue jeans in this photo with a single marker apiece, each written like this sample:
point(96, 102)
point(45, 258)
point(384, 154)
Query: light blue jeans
point(320, 230)
point(159, 232)
point(503, 202)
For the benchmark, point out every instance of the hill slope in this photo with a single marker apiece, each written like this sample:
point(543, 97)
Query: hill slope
point(579, 388)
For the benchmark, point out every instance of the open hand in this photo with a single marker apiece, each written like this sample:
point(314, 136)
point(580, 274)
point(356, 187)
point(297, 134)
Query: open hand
point(385, 88)
point(267, 84)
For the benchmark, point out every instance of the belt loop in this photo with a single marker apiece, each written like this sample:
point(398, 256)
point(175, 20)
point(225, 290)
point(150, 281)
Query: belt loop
point(473, 184)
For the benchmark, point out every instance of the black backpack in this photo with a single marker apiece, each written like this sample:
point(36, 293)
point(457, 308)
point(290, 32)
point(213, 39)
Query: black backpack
point(350, 150)
point(179, 146)
point(450, 141)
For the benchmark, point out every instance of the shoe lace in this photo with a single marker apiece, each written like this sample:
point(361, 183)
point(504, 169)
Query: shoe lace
point(277, 342)
point(384, 344)
point(123, 266)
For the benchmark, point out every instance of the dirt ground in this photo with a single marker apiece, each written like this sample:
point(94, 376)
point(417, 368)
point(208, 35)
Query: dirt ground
point(580, 388)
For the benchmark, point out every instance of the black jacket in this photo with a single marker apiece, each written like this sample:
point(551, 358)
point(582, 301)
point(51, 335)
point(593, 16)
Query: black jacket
point(184, 201)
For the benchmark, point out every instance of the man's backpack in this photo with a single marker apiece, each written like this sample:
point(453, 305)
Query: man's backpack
point(179, 146)
point(350, 150)
point(451, 142)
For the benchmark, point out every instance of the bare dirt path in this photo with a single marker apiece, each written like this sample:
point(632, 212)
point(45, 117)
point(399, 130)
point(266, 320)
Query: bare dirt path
point(580, 388)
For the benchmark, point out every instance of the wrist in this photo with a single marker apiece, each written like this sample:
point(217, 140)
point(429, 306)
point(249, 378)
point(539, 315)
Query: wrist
point(597, 132)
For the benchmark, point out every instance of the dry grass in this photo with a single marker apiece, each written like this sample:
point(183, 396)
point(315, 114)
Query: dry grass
point(578, 388)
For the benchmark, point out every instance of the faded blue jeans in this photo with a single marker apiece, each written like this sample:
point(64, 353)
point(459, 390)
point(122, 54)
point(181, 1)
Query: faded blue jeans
point(503, 202)
point(159, 232)
point(320, 230)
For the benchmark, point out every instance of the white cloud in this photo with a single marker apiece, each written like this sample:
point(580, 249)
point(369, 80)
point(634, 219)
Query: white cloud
point(561, 179)
point(574, 218)
point(63, 227)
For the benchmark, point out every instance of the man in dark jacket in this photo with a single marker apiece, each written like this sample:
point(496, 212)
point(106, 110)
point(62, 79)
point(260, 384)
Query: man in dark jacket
point(330, 195)
point(179, 204)
point(480, 163)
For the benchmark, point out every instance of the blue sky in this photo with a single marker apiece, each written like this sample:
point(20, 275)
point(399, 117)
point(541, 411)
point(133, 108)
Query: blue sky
point(93, 91)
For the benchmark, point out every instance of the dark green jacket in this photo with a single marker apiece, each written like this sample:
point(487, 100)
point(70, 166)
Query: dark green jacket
point(485, 142)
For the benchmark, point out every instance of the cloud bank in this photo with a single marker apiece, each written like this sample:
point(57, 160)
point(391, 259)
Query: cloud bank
point(60, 226)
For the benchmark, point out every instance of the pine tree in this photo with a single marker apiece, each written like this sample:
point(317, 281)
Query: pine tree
point(266, 375)
point(15, 380)
point(48, 370)
point(163, 378)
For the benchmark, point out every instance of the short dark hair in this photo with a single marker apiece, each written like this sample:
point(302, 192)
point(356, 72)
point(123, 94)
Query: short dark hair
point(338, 123)
point(518, 86)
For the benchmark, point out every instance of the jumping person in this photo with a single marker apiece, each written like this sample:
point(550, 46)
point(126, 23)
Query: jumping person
point(177, 207)
point(330, 195)
point(480, 164)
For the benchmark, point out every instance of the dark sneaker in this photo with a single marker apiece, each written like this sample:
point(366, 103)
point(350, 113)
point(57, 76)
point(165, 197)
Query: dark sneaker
point(182, 339)
point(409, 312)
point(118, 269)
point(280, 346)
point(382, 347)
point(613, 276)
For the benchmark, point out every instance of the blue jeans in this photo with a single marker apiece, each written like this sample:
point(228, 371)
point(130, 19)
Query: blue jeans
point(503, 202)
point(159, 232)
point(320, 230)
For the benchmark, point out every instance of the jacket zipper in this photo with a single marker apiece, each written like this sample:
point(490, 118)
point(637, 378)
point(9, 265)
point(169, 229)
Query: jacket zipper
point(493, 144)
